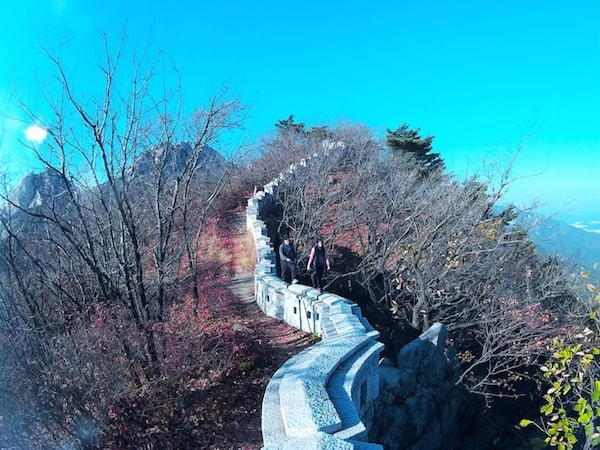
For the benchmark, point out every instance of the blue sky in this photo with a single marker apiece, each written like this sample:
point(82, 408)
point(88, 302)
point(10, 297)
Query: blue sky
point(484, 78)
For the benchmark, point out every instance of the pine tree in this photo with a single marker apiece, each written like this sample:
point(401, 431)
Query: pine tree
point(404, 140)
point(289, 126)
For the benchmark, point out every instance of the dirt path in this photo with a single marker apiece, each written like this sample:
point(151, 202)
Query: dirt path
point(274, 341)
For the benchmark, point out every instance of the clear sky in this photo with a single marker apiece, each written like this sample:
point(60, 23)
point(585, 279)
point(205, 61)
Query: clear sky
point(483, 77)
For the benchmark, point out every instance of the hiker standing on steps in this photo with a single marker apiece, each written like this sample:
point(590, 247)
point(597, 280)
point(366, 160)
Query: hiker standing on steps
point(287, 257)
point(318, 255)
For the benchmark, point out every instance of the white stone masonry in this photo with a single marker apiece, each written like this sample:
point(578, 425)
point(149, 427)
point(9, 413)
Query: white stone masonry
point(322, 398)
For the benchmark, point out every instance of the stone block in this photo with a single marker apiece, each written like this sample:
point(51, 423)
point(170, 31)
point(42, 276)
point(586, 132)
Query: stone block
point(305, 405)
point(273, 430)
point(320, 441)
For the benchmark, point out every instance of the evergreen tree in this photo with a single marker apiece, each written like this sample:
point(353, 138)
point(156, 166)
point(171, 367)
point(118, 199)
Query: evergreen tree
point(289, 126)
point(405, 140)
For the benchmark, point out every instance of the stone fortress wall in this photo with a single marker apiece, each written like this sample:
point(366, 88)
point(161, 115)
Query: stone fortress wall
point(323, 397)
point(327, 396)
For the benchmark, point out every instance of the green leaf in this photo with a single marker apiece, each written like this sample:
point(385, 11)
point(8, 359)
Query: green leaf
point(547, 409)
point(596, 391)
point(584, 418)
point(525, 422)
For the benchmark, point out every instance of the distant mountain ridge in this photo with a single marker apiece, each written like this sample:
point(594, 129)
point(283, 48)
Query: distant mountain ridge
point(45, 188)
point(569, 242)
point(210, 162)
point(37, 187)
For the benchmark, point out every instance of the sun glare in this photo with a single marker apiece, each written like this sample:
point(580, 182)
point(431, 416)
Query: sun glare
point(35, 133)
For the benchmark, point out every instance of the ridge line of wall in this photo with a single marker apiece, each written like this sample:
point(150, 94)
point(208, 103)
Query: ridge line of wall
point(323, 397)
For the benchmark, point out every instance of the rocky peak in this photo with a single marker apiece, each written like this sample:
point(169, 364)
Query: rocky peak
point(37, 189)
point(173, 159)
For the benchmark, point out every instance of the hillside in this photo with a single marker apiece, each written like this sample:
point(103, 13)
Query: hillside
point(227, 416)
point(106, 285)
point(141, 286)
point(571, 244)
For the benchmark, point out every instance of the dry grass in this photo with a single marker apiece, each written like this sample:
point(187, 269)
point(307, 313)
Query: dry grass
point(246, 258)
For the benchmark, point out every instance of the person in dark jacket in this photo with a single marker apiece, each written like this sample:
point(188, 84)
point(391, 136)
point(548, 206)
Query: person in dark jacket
point(287, 258)
point(318, 256)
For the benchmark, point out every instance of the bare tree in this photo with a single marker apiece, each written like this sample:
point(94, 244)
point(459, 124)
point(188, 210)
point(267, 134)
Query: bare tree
point(433, 249)
point(317, 198)
point(132, 185)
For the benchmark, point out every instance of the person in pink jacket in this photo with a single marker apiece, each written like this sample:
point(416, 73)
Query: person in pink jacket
point(318, 256)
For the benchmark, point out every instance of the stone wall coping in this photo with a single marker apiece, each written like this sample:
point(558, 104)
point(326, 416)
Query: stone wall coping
point(305, 403)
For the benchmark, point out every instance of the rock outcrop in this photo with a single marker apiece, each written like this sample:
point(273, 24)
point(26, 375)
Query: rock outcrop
point(418, 405)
